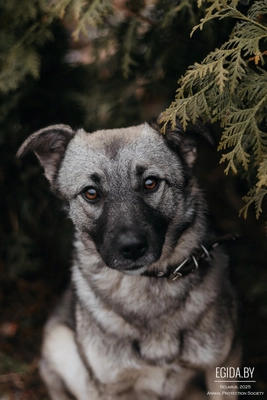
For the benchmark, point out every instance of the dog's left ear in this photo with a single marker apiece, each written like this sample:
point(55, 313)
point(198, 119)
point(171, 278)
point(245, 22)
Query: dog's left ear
point(184, 142)
point(49, 145)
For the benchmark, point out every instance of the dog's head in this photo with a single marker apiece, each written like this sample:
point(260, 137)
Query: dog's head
point(126, 188)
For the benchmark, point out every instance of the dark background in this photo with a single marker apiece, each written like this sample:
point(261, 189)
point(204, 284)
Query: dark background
point(77, 86)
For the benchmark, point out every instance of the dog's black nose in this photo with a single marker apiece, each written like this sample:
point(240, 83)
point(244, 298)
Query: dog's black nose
point(132, 246)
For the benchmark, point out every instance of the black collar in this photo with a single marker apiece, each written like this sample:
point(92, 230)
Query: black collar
point(193, 262)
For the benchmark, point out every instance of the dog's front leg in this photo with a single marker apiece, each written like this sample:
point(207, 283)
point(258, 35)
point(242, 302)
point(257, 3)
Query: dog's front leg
point(213, 386)
point(62, 368)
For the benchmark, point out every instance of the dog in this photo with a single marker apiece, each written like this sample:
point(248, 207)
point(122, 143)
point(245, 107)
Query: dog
point(150, 304)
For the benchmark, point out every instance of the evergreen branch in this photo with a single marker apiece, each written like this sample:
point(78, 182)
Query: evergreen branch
point(237, 70)
point(128, 42)
point(223, 103)
point(221, 75)
point(190, 108)
point(262, 174)
point(258, 192)
point(241, 131)
point(93, 14)
point(237, 95)
point(169, 15)
point(219, 11)
point(59, 8)
point(238, 154)
point(223, 10)
point(254, 196)
point(214, 63)
point(19, 62)
point(254, 87)
point(259, 142)
point(257, 8)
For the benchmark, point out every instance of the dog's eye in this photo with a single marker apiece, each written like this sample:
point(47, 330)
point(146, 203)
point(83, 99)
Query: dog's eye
point(90, 194)
point(151, 183)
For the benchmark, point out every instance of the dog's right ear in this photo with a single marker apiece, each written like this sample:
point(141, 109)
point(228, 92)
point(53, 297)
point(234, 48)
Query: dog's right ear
point(49, 144)
point(184, 142)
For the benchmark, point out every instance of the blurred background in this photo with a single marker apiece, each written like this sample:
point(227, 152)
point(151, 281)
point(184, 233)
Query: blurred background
point(99, 64)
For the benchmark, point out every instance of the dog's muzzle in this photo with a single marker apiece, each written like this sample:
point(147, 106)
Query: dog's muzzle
point(130, 250)
point(132, 246)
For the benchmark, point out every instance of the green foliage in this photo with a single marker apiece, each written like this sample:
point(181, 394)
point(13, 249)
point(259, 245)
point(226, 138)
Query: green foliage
point(10, 365)
point(19, 36)
point(27, 26)
point(230, 86)
point(136, 54)
point(125, 26)
point(137, 51)
point(130, 54)
point(87, 13)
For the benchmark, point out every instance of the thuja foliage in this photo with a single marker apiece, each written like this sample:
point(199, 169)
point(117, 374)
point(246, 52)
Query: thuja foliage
point(138, 50)
point(26, 26)
point(141, 44)
point(230, 86)
point(21, 33)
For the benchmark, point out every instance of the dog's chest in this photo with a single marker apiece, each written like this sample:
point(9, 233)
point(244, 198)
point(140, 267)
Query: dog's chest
point(134, 365)
point(111, 346)
point(126, 342)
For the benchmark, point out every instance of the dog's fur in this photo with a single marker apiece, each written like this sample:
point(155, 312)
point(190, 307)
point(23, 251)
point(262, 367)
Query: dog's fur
point(117, 333)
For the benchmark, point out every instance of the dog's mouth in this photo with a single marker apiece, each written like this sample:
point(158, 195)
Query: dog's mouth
point(130, 251)
point(130, 267)
point(134, 270)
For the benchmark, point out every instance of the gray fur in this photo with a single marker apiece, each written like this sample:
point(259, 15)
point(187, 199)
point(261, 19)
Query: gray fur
point(118, 334)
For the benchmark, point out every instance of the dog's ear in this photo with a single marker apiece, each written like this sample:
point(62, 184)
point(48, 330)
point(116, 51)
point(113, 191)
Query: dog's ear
point(49, 145)
point(184, 142)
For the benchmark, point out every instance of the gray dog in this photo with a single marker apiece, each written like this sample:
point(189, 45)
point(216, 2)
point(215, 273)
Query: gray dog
point(150, 305)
